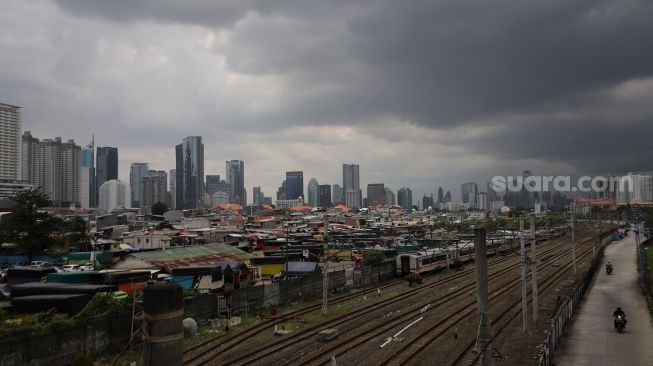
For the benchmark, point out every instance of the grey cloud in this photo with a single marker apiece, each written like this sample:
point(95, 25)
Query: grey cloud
point(537, 79)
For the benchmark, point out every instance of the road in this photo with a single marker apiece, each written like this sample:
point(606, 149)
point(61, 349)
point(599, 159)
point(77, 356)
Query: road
point(592, 339)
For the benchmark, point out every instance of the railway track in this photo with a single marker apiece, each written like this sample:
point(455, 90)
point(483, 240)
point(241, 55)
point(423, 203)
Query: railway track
point(342, 346)
point(470, 357)
point(261, 353)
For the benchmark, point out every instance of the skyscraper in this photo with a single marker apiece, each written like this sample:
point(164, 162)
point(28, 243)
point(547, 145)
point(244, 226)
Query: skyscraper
point(294, 185)
point(351, 185)
point(375, 194)
point(469, 194)
point(440, 195)
point(427, 201)
point(114, 194)
point(190, 173)
point(31, 160)
point(136, 174)
point(235, 170)
point(54, 167)
point(212, 183)
point(337, 197)
point(106, 167)
point(173, 189)
point(257, 196)
point(87, 194)
point(447, 197)
point(281, 192)
point(405, 198)
point(390, 197)
point(324, 195)
point(10, 142)
point(313, 197)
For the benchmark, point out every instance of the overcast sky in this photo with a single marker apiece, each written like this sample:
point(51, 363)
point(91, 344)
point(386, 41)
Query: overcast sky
point(419, 93)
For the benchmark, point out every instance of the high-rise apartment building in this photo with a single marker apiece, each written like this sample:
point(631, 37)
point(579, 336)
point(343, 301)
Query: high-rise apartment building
point(31, 159)
point(87, 193)
point(235, 176)
point(136, 174)
point(106, 165)
point(375, 194)
point(294, 185)
point(313, 196)
point(351, 185)
point(153, 188)
point(190, 173)
point(54, 167)
point(10, 142)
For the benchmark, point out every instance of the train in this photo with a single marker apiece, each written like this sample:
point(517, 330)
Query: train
point(429, 260)
point(460, 251)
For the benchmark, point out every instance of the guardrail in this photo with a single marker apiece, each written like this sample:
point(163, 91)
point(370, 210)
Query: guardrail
point(566, 310)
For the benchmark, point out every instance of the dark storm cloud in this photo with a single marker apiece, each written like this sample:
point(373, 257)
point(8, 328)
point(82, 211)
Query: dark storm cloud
point(540, 80)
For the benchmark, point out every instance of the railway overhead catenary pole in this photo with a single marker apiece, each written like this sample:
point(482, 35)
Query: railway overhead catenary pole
point(573, 243)
point(485, 330)
point(524, 300)
point(534, 269)
point(325, 269)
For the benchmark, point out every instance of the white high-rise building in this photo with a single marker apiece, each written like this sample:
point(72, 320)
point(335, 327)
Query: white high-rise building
point(10, 142)
point(114, 194)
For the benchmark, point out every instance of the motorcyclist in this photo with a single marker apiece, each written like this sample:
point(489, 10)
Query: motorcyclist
point(608, 266)
point(617, 313)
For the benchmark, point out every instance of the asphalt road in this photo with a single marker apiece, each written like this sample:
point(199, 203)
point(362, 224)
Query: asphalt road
point(592, 339)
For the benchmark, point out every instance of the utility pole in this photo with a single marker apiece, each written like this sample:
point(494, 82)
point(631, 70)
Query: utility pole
point(534, 269)
point(485, 331)
point(524, 300)
point(325, 269)
point(573, 243)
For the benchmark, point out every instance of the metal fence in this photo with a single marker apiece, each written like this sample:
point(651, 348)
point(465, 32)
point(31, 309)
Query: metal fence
point(284, 292)
point(566, 310)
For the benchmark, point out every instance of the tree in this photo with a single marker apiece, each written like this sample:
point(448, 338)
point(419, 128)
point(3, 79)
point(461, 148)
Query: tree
point(159, 208)
point(27, 226)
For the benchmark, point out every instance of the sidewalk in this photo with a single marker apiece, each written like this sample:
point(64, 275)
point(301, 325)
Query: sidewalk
point(592, 339)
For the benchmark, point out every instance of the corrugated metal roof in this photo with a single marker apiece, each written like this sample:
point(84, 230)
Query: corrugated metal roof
point(193, 255)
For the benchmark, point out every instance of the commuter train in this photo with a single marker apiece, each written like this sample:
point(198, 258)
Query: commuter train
point(429, 260)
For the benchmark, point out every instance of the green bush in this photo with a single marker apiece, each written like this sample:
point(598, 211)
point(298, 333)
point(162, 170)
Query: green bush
point(372, 256)
point(414, 278)
point(101, 306)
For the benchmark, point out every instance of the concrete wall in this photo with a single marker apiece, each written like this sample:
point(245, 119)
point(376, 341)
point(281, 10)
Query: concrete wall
point(59, 347)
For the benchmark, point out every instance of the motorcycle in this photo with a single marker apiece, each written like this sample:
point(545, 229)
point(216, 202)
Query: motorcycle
point(608, 269)
point(619, 323)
